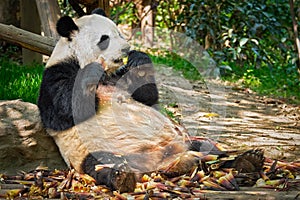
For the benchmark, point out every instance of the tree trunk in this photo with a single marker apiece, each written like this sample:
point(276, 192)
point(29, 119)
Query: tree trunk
point(147, 26)
point(104, 4)
point(146, 15)
point(30, 21)
point(295, 28)
point(49, 13)
point(9, 17)
point(90, 6)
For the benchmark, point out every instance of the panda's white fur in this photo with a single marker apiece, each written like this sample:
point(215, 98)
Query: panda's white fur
point(91, 28)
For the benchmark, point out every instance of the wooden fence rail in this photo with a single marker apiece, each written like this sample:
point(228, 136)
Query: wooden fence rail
point(26, 39)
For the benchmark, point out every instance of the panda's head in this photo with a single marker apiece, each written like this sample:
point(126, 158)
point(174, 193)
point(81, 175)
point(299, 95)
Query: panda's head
point(91, 38)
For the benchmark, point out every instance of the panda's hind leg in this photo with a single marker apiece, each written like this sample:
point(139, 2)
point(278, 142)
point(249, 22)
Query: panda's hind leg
point(111, 170)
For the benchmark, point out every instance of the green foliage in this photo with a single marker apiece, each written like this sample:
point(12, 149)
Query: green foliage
point(250, 80)
point(169, 113)
point(281, 81)
point(19, 82)
point(167, 14)
point(125, 13)
point(252, 32)
point(255, 37)
point(66, 8)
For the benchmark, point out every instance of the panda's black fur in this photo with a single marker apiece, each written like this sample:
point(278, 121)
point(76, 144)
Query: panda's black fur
point(109, 175)
point(142, 88)
point(65, 26)
point(56, 95)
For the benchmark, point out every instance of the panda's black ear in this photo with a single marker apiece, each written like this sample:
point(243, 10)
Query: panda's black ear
point(99, 11)
point(65, 26)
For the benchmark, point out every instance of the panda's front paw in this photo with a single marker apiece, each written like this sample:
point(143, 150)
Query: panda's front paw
point(137, 58)
point(90, 76)
point(140, 78)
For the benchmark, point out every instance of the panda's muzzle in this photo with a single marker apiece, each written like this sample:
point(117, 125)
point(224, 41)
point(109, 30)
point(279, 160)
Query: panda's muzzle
point(125, 52)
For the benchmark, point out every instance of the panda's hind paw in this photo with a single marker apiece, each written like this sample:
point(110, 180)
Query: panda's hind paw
point(111, 170)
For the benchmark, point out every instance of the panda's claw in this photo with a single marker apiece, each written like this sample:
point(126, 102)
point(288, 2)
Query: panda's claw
point(90, 89)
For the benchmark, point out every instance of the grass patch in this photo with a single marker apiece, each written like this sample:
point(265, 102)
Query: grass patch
point(176, 62)
point(19, 82)
point(280, 82)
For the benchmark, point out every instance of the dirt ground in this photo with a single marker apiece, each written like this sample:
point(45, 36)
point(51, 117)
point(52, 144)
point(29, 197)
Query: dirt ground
point(235, 117)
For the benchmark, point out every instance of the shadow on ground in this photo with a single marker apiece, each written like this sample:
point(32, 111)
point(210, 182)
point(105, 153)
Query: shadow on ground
point(235, 117)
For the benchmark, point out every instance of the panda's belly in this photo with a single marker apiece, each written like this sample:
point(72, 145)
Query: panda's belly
point(144, 136)
point(147, 139)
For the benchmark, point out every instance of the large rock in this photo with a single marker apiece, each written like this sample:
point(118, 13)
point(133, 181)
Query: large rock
point(24, 143)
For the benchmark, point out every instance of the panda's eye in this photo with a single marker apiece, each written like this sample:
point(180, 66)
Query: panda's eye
point(104, 42)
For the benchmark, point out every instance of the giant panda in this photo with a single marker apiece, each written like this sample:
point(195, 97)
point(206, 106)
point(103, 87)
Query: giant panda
point(101, 112)
point(86, 61)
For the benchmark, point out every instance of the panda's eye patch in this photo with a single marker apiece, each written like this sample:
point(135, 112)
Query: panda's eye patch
point(104, 42)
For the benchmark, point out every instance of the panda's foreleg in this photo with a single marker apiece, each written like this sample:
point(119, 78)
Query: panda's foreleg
point(146, 94)
point(84, 101)
point(67, 94)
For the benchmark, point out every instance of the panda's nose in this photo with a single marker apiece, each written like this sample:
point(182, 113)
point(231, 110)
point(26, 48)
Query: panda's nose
point(126, 50)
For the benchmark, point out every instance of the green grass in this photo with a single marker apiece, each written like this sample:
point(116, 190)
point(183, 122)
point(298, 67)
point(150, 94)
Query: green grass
point(176, 62)
point(19, 82)
point(280, 81)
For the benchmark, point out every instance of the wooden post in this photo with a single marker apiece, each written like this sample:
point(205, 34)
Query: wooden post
point(30, 21)
point(8, 17)
point(104, 4)
point(49, 13)
point(6, 14)
point(145, 12)
point(147, 26)
point(295, 29)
